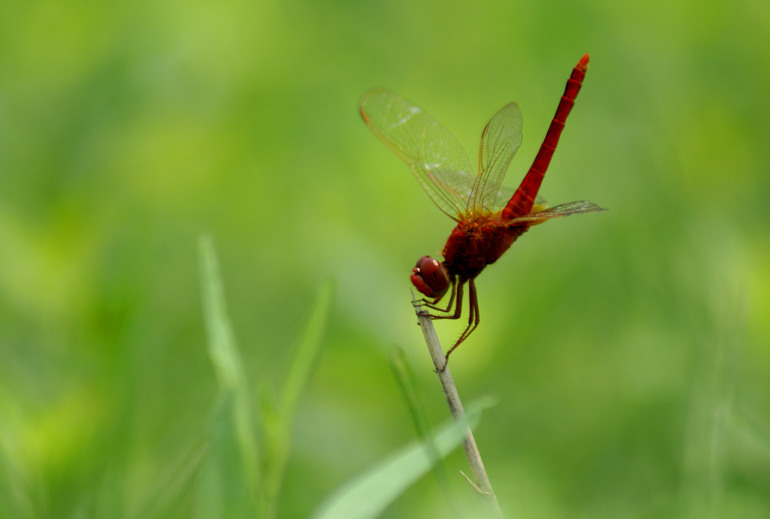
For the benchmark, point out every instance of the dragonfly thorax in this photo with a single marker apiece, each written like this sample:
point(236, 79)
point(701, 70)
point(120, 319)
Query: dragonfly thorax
point(474, 245)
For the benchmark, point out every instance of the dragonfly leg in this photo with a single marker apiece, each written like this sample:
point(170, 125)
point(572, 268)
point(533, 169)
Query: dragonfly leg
point(474, 318)
point(457, 295)
point(433, 304)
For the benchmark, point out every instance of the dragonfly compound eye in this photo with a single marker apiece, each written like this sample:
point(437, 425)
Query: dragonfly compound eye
point(430, 277)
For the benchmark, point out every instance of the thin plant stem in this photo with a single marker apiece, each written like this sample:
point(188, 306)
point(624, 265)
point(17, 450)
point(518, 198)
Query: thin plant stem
point(482, 484)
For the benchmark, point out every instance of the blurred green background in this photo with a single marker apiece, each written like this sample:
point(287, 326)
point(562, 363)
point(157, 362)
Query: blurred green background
point(628, 349)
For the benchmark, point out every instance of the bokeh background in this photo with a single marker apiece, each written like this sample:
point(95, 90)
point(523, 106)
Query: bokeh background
point(629, 349)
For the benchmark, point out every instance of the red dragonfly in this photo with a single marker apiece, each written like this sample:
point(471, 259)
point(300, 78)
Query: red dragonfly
point(489, 217)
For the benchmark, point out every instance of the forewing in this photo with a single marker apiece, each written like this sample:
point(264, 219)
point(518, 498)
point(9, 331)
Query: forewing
point(500, 140)
point(432, 153)
point(581, 206)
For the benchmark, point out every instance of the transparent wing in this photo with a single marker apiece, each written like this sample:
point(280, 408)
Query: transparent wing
point(432, 153)
point(581, 206)
point(500, 141)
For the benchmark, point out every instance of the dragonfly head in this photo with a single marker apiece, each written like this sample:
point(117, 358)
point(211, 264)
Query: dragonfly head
point(430, 277)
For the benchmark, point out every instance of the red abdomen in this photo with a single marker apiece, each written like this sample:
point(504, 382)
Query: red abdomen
point(474, 245)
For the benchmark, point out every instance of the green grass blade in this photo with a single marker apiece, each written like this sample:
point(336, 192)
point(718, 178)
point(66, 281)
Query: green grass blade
point(750, 433)
point(406, 382)
point(221, 342)
point(234, 413)
point(171, 485)
point(368, 495)
point(308, 352)
point(404, 375)
point(277, 416)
